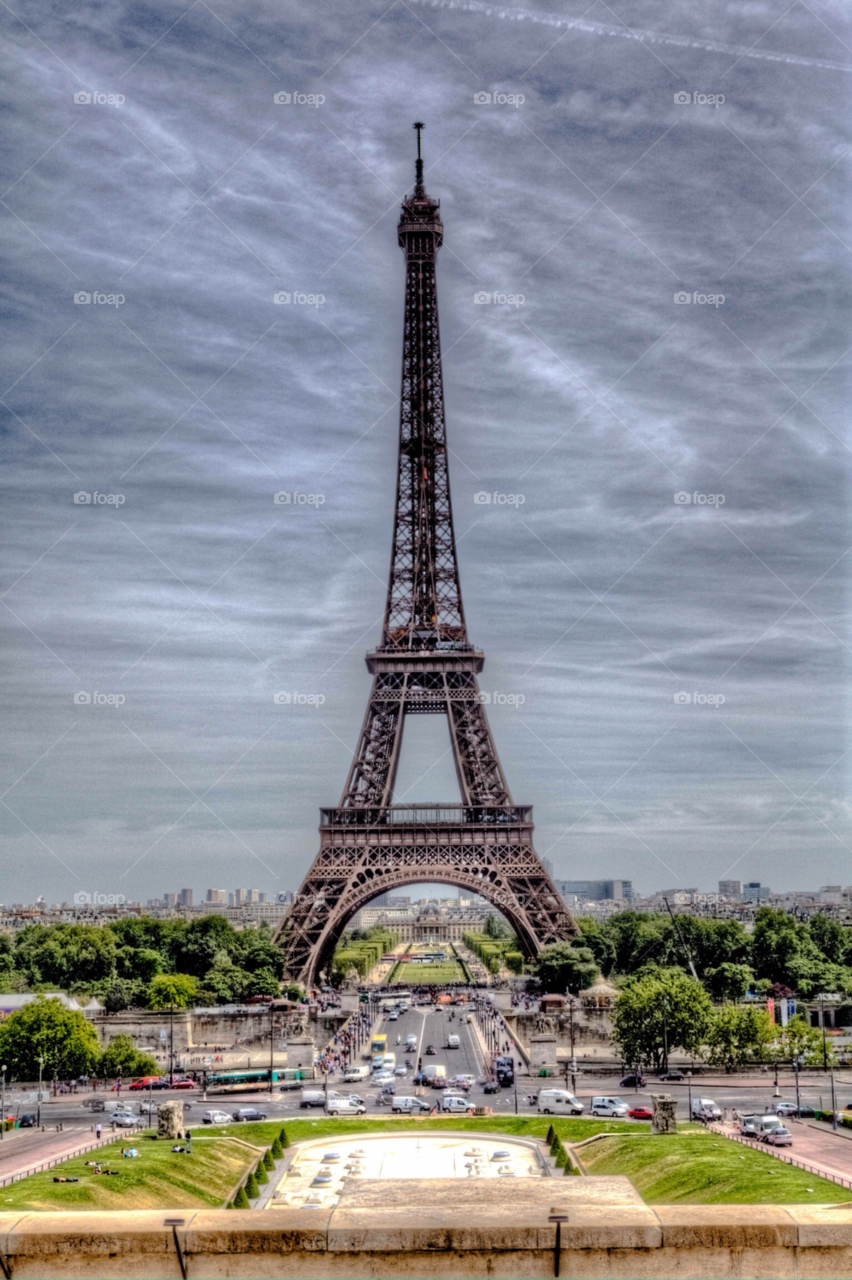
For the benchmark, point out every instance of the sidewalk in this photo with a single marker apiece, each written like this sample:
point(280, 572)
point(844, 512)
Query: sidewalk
point(811, 1147)
point(56, 1148)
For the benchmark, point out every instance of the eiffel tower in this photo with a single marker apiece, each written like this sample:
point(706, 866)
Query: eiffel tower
point(424, 665)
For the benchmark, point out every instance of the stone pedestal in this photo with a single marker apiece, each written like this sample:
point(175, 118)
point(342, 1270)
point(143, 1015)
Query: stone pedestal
point(665, 1113)
point(170, 1120)
point(543, 1051)
point(300, 1052)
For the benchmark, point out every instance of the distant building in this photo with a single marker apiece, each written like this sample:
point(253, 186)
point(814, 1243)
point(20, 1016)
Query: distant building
point(731, 888)
point(170, 899)
point(596, 890)
point(185, 898)
point(216, 895)
point(754, 891)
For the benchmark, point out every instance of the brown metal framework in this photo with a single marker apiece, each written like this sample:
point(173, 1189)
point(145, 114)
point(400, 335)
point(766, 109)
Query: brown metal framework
point(425, 664)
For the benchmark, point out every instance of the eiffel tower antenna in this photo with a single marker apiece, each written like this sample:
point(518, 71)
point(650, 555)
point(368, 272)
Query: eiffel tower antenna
point(424, 664)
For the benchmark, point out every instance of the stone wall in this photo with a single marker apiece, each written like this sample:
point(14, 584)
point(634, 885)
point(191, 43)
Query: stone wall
point(436, 1241)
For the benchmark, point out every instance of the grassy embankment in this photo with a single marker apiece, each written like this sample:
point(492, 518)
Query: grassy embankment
point(690, 1167)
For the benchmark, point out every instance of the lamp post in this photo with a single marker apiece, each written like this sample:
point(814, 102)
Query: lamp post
point(822, 1024)
point(3, 1103)
point(798, 1102)
point(271, 1047)
point(833, 1104)
point(38, 1105)
point(689, 1091)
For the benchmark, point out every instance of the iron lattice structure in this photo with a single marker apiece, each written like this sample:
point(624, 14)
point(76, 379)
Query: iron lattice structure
point(425, 664)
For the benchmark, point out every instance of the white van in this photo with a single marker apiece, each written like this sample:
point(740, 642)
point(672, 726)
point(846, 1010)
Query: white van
point(346, 1107)
point(312, 1098)
point(608, 1106)
point(453, 1042)
point(706, 1109)
point(389, 1062)
point(559, 1102)
point(411, 1042)
point(356, 1073)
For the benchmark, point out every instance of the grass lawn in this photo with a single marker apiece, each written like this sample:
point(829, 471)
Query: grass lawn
point(703, 1168)
point(157, 1179)
point(412, 975)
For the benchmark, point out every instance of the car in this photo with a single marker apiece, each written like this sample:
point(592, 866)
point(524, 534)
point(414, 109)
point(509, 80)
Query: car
point(182, 1084)
point(393, 1017)
point(149, 1108)
point(438, 1082)
point(431, 1050)
point(672, 1076)
point(124, 1119)
point(400, 1071)
point(143, 1082)
point(632, 1081)
point(216, 1117)
point(94, 1104)
point(805, 1112)
point(27, 1121)
point(748, 1126)
point(459, 1082)
point(452, 1102)
point(383, 1077)
point(249, 1113)
point(419, 1078)
point(491, 1086)
point(609, 1106)
point(410, 1106)
point(785, 1109)
point(641, 1113)
point(344, 1107)
point(780, 1137)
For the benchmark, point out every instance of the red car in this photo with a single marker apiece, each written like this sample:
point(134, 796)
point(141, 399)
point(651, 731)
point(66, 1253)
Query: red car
point(641, 1113)
point(182, 1084)
point(143, 1083)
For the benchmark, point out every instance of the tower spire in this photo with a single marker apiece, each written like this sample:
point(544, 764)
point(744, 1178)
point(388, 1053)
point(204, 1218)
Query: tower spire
point(418, 185)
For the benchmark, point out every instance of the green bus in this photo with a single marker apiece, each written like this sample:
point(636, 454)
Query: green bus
point(245, 1081)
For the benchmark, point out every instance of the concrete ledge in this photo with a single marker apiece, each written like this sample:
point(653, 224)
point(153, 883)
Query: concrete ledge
point(439, 1240)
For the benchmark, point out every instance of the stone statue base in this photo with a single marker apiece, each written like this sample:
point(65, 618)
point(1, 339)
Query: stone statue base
point(665, 1113)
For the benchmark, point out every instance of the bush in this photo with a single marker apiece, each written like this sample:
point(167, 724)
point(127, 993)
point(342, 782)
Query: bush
point(561, 1157)
point(551, 1134)
point(260, 1174)
point(241, 1199)
point(277, 1150)
point(283, 1139)
point(572, 1169)
point(268, 1162)
point(251, 1188)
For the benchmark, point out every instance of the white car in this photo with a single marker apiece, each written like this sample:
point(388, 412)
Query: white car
point(401, 1071)
point(453, 1102)
point(216, 1117)
point(345, 1107)
point(383, 1077)
point(610, 1106)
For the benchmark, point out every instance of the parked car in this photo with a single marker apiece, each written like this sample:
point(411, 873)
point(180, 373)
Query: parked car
point(641, 1113)
point(143, 1082)
point(249, 1113)
point(431, 1050)
point(345, 1107)
point(27, 1121)
point(182, 1083)
point(672, 1076)
point(785, 1109)
point(632, 1081)
point(780, 1137)
point(410, 1106)
point(748, 1126)
point(216, 1117)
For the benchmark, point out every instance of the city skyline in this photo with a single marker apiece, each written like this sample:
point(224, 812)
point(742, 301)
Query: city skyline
point(648, 482)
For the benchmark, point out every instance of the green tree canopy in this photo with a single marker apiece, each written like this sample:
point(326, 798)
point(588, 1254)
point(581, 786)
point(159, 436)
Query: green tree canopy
point(122, 1058)
point(171, 991)
point(738, 1034)
point(565, 966)
point(64, 1038)
point(657, 1013)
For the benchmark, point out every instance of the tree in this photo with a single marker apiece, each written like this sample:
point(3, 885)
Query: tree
point(171, 991)
point(261, 983)
point(565, 966)
point(729, 981)
point(657, 1013)
point(737, 1034)
point(122, 1058)
point(800, 1042)
point(65, 955)
point(64, 1038)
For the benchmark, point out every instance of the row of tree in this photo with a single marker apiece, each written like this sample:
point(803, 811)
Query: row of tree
point(46, 1038)
point(130, 962)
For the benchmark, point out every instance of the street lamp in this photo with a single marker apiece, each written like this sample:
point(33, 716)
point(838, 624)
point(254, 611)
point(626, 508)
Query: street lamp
point(833, 1104)
point(689, 1090)
point(3, 1103)
point(38, 1104)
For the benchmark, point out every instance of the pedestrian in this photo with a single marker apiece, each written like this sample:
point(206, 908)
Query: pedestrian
point(97, 1132)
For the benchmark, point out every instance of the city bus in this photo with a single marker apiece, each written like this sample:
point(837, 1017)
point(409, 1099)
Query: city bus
point(245, 1081)
point(379, 1044)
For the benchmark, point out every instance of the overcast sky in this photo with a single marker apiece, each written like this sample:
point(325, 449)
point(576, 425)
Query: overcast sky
point(585, 407)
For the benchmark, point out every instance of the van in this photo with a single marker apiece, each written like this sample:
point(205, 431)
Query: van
point(764, 1125)
point(389, 1061)
point(609, 1106)
point(555, 1102)
point(434, 1070)
point(411, 1106)
point(312, 1098)
point(351, 1074)
point(453, 1042)
point(706, 1109)
point(411, 1042)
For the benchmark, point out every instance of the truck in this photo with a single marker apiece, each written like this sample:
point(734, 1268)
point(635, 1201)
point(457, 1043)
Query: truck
point(504, 1069)
point(453, 1042)
point(434, 1071)
point(352, 1074)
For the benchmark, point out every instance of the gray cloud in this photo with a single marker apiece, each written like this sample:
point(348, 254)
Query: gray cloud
point(599, 598)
